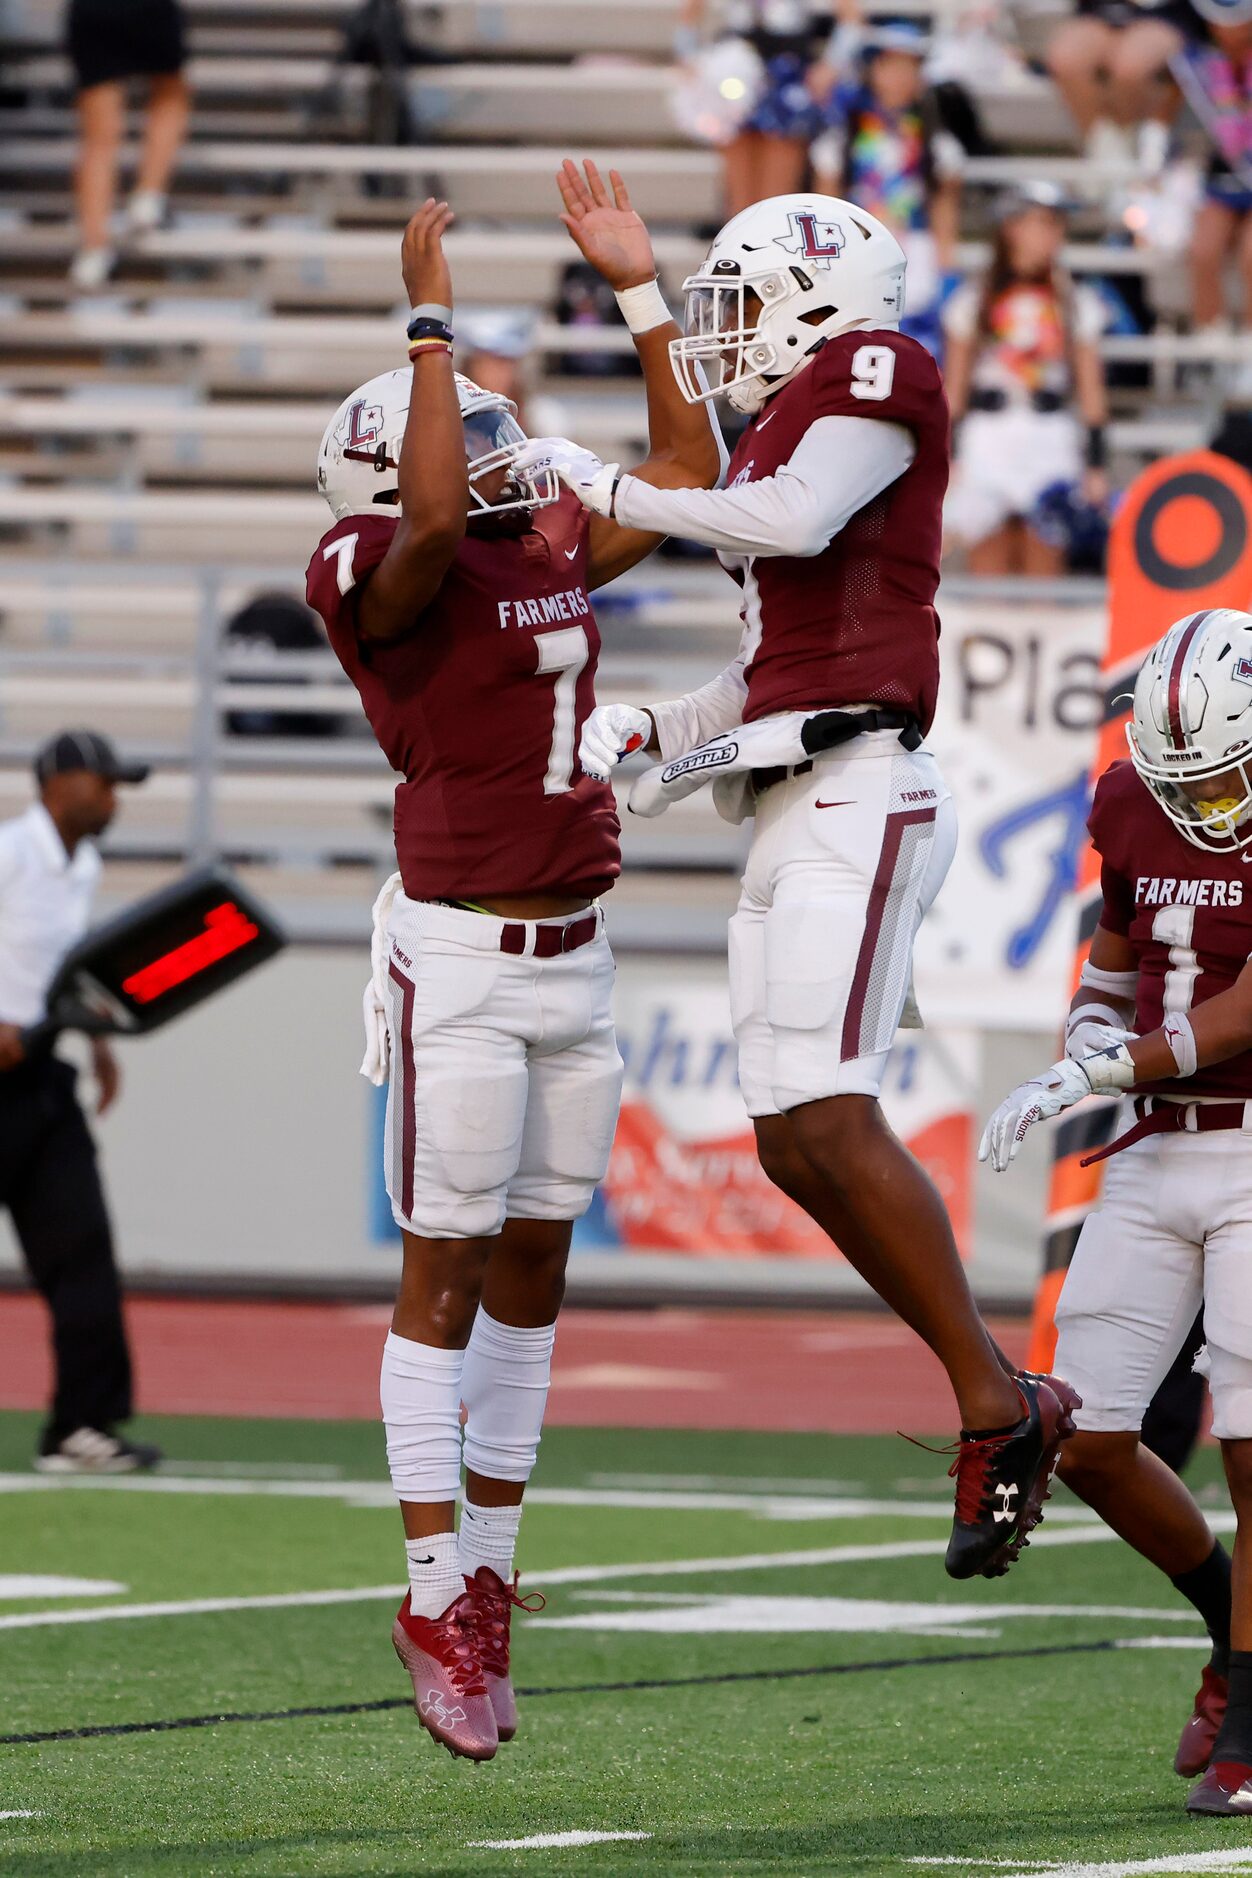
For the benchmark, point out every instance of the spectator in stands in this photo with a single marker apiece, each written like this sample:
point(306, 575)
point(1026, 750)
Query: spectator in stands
point(769, 155)
point(495, 347)
point(1022, 352)
point(1219, 85)
point(1111, 62)
point(886, 148)
point(109, 42)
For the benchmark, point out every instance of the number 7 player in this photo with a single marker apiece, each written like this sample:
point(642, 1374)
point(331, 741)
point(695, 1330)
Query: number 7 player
point(454, 592)
point(830, 523)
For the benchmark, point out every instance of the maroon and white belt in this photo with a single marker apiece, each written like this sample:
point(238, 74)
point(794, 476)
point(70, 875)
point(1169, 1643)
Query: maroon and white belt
point(1159, 1117)
point(549, 941)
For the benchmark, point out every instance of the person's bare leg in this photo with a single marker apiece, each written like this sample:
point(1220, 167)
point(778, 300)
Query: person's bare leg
point(782, 166)
point(740, 170)
point(101, 118)
point(793, 1175)
point(169, 109)
point(1244, 251)
point(902, 1239)
point(1139, 82)
point(523, 1286)
point(1042, 559)
point(993, 554)
point(440, 1286)
point(1078, 59)
point(1141, 1498)
point(1211, 236)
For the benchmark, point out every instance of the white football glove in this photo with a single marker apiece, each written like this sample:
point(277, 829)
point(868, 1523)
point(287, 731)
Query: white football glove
point(592, 481)
point(1090, 1033)
point(1103, 1073)
point(611, 732)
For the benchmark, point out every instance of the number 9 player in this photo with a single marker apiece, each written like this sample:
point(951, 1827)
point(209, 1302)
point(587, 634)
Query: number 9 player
point(454, 590)
point(830, 523)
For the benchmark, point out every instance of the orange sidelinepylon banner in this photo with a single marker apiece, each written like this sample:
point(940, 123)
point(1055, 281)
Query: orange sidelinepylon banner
point(1182, 540)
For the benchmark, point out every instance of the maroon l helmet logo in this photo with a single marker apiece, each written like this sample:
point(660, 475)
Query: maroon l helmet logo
point(817, 240)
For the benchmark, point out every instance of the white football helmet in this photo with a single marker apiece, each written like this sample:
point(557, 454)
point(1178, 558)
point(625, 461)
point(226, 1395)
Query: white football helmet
point(817, 266)
point(1192, 720)
point(358, 463)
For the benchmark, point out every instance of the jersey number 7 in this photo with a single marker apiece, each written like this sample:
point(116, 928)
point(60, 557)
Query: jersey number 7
point(565, 653)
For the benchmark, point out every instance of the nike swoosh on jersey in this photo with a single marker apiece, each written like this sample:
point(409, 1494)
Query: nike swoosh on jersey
point(832, 805)
point(570, 553)
point(762, 422)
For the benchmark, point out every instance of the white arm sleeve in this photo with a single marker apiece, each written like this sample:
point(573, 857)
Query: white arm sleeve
point(685, 722)
point(839, 465)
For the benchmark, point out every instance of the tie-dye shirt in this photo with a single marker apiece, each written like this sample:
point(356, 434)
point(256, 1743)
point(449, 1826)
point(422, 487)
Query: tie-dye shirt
point(1027, 348)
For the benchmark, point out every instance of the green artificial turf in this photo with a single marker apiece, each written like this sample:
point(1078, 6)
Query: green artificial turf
point(1054, 1747)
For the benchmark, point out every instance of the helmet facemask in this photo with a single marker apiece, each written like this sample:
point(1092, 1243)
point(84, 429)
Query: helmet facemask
point(1220, 824)
point(493, 441)
point(725, 335)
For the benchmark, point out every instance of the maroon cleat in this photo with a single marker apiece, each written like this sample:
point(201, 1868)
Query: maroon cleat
point(1003, 1480)
point(449, 1693)
point(492, 1603)
point(1225, 1790)
point(1196, 1742)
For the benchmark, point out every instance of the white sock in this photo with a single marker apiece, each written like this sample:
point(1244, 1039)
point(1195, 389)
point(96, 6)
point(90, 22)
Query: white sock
point(434, 1573)
point(488, 1536)
point(420, 1391)
point(145, 208)
point(505, 1390)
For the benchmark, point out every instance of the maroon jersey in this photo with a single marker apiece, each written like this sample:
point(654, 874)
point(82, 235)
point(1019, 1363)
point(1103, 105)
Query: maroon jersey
point(855, 624)
point(1186, 912)
point(480, 707)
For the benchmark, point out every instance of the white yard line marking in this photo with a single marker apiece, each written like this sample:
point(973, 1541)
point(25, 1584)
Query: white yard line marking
point(19, 1813)
point(1228, 1859)
point(1163, 1643)
point(378, 1493)
point(560, 1575)
point(22, 1585)
point(551, 1841)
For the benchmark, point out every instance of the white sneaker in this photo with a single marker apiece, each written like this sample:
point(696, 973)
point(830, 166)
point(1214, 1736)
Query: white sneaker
point(95, 1451)
point(1152, 146)
point(145, 211)
point(90, 268)
point(1108, 143)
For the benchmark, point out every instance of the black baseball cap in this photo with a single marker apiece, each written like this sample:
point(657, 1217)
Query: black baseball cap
point(85, 749)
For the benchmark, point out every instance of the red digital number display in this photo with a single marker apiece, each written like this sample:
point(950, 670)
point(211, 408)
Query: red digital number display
point(226, 930)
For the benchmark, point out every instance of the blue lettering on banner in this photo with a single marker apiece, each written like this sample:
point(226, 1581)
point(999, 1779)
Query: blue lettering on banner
point(663, 1054)
point(1068, 807)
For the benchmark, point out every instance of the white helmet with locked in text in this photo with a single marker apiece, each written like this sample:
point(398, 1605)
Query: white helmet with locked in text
point(1192, 723)
point(358, 463)
point(780, 279)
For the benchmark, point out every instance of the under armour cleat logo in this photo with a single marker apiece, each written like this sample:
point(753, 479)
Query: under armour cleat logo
point(1006, 1493)
point(435, 1705)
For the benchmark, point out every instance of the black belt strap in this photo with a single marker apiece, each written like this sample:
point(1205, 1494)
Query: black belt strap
point(826, 730)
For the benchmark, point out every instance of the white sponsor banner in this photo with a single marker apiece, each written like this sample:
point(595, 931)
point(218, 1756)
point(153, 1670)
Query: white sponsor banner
point(1019, 704)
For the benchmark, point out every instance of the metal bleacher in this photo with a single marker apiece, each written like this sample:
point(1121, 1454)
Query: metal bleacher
point(157, 439)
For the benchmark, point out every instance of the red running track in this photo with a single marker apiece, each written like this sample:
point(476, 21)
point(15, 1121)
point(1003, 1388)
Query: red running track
point(846, 1373)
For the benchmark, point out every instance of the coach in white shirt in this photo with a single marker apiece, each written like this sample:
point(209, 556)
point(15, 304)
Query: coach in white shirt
point(49, 1180)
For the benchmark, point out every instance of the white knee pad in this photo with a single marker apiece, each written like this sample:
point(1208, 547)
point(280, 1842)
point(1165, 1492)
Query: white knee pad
point(505, 1390)
point(420, 1391)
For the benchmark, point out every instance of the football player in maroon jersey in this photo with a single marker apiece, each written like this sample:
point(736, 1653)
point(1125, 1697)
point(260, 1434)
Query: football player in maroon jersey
point(1164, 1010)
point(454, 590)
point(831, 523)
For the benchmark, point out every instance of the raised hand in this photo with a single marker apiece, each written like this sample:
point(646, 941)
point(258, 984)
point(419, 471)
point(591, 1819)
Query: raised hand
point(423, 263)
point(610, 234)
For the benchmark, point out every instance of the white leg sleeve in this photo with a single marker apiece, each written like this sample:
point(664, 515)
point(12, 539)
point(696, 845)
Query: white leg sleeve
point(420, 1390)
point(505, 1390)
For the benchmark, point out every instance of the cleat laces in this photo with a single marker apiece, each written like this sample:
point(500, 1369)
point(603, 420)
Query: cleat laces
point(453, 1636)
point(493, 1610)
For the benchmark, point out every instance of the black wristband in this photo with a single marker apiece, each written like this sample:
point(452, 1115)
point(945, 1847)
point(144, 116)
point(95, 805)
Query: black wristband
point(1097, 446)
point(421, 327)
